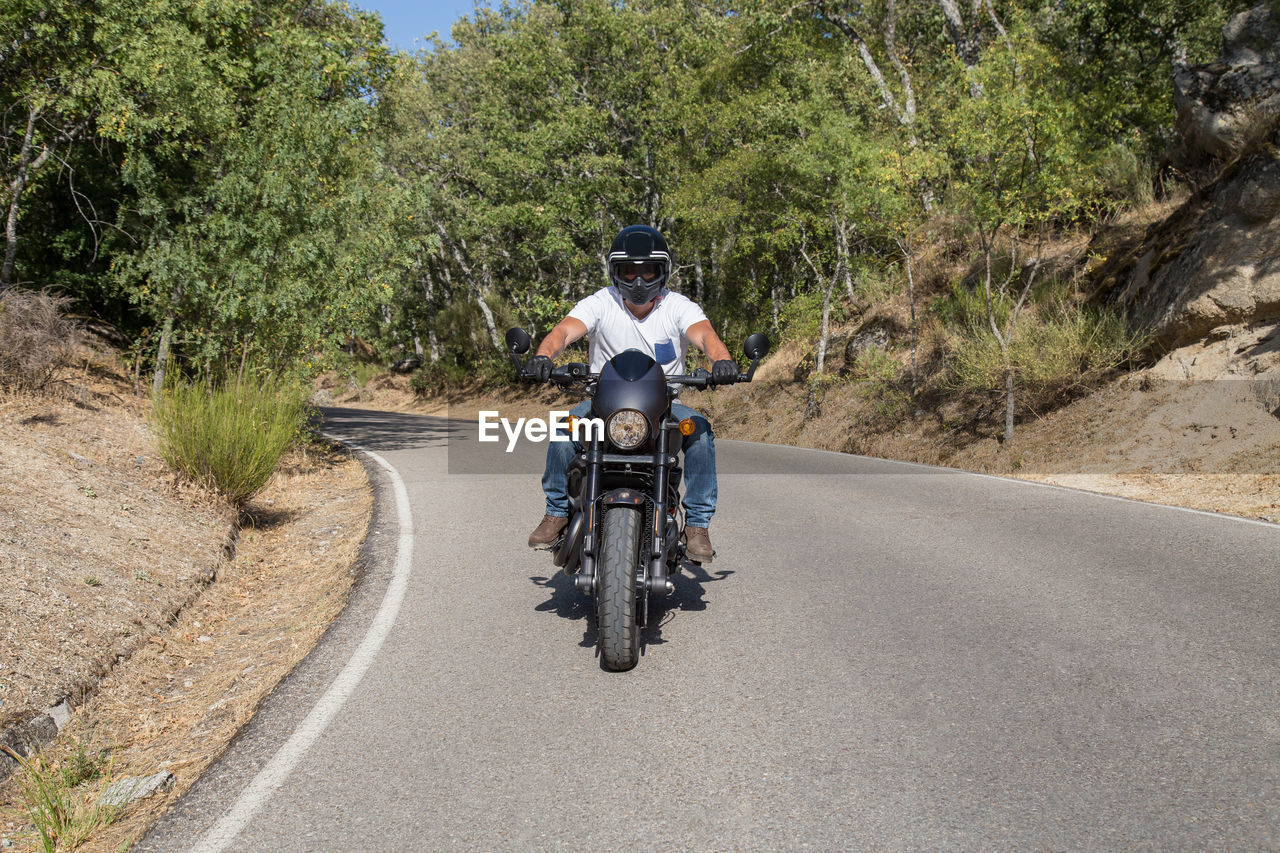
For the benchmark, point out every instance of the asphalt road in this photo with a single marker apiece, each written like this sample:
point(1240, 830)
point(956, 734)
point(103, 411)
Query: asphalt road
point(883, 656)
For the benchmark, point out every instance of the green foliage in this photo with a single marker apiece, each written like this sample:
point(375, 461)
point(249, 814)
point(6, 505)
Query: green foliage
point(228, 438)
point(216, 167)
point(876, 374)
point(260, 182)
point(801, 318)
point(82, 766)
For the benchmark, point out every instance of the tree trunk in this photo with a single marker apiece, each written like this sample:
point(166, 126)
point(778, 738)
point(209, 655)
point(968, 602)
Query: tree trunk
point(826, 325)
point(1008, 406)
point(904, 112)
point(476, 290)
point(842, 255)
point(26, 167)
point(905, 246)
point(965, 40)
point(650, 188)
point(162, 355)
point(244, 358)
point(16, 187)
point(428, 285)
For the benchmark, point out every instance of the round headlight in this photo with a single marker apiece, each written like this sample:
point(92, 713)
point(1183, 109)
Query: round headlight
point(627, 429)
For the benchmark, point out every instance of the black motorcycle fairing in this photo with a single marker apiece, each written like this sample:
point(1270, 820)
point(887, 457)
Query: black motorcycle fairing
point(628, 382)
point(631, 365)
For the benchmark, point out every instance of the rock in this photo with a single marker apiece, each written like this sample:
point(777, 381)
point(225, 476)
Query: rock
point(1219, 104)
point(1250, 353)
point(1214, 262)
point(875, 333)
point(60, 713)
point(1251, 37)
point(133, 788)
point(323, 397)
point(407, 365)
point(871, 335)
point(24, 735)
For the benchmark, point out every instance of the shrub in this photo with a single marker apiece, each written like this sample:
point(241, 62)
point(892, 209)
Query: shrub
point(876, 372)
point(1069, 346)
point(37, 341)
point(228, 438)
point(480, 374)
point(1126, 177)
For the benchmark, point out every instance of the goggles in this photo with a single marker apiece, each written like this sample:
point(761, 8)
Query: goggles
point(645, 271)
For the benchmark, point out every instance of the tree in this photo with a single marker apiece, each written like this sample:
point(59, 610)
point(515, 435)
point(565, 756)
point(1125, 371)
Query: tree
point(1022, 166)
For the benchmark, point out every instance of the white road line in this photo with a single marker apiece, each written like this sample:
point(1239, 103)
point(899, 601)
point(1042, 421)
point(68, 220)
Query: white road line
point(277, 770)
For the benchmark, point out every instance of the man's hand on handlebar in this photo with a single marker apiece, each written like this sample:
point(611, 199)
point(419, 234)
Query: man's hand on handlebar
point(724, 371)
point(539, 367)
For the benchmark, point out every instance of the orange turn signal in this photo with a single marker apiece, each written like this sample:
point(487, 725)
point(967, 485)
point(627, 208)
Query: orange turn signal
point(687, 427)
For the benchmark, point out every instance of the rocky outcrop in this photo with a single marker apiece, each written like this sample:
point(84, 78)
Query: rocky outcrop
point(1221, 105)
point(1215, 261)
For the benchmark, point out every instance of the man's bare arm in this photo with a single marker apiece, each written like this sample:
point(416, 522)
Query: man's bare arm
point(702, 336)
point(566, 332)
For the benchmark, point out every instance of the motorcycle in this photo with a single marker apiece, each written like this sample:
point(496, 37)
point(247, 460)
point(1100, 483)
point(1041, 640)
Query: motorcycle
point(624, 540)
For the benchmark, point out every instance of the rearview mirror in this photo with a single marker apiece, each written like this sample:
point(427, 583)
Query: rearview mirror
point(518, 341)
point(756, 347)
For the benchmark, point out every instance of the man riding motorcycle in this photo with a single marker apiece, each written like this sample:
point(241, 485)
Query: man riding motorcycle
point(637, 311)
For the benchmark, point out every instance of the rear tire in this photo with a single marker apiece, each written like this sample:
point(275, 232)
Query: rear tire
point(616, 590)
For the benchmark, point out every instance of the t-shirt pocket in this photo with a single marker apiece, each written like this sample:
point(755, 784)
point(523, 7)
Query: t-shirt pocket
point(664, 352)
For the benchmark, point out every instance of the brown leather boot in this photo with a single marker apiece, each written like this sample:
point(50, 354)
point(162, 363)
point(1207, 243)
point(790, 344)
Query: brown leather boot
point(697, 544)
point(547, 531)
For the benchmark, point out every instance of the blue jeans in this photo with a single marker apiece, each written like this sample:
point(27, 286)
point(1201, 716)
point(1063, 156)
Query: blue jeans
point(699, 468)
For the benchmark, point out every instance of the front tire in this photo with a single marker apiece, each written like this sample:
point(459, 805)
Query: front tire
point(616, 592)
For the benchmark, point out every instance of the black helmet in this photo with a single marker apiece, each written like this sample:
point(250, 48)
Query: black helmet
point(639, 263)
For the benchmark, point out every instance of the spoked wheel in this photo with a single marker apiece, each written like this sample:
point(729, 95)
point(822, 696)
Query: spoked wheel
point(616, 590)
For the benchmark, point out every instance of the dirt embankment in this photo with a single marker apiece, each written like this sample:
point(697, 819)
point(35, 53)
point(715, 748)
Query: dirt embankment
point(155, 614)
point(100, 546)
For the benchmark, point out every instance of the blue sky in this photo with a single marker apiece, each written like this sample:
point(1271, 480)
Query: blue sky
point(404, 20)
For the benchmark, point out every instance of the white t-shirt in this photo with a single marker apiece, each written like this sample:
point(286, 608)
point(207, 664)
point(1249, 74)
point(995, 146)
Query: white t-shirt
point(612, 329)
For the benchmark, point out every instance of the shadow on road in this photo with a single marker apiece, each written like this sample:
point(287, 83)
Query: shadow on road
point(689, 595)
point(389, 430)
point(568, 603)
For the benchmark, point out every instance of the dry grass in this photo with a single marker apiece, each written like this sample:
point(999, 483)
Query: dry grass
point(85, 497)
point(182, 697)
point(37, 342)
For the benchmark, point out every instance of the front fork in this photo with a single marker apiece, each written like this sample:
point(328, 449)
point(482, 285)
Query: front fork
point(593, 455)
point(656, 579)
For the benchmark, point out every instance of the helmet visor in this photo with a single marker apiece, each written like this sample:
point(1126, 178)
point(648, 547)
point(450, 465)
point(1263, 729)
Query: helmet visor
point(645, 272)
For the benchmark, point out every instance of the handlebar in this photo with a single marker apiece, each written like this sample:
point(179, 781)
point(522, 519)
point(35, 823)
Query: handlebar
point(568, 374)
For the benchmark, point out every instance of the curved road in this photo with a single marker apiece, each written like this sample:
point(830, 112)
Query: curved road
point(883, 656)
